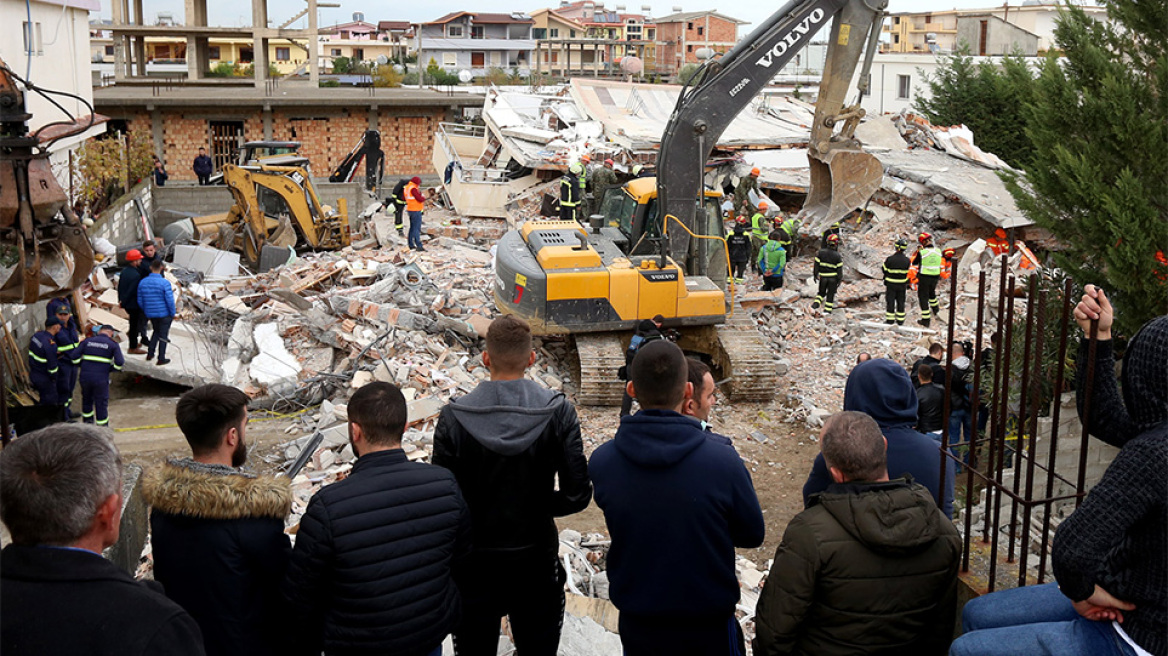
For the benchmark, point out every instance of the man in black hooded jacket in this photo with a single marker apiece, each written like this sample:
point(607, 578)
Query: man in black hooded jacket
point(506, 442)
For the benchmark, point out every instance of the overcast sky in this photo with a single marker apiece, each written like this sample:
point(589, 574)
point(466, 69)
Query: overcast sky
point(238, 13)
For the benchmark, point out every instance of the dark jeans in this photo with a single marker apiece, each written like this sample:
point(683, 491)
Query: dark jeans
point(415, 238)
point(772, 282)
point(137, 328)
point(533, 600)
point(204, 180)
point(681, 636)
point(160, 338)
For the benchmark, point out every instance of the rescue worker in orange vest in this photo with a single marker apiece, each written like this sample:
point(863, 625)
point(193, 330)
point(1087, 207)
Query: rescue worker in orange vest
point(928, 259)
point(415, 202)
point(947, 269)
point(999, 243)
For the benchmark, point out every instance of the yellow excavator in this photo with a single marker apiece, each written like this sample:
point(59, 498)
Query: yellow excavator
point(274, 206)
point(658, 245)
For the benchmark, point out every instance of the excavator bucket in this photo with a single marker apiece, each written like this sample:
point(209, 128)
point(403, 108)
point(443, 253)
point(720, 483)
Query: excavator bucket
point(842, 179)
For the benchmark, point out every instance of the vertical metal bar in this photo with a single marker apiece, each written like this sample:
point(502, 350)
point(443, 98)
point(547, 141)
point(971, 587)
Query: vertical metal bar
point(1061, 366)
point(1088, 393)
point(4, 432)
point(944, 454)
point(995, 425)
point(1035, 409)
point(1003, 414)
point(974, 402)
point(1023, 407)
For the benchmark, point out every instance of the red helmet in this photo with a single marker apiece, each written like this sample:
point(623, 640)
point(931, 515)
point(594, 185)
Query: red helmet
point(949, 253)
point(924, 237)
point(833, 240)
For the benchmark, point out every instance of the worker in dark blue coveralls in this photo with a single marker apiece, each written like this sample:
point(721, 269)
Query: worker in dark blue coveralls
point(42, 362)
point(67, 339)
point(54, 306)
point(97, 356)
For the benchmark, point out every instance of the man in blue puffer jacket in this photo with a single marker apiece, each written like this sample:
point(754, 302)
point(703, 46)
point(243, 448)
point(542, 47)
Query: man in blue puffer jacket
point(675, 500)
point(882, 390)
point(156, 298)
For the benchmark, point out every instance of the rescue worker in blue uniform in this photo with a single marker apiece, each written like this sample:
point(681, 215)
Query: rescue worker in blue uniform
point(66, 339)
point(97, 356)
point(42, 362)
point(53, 308)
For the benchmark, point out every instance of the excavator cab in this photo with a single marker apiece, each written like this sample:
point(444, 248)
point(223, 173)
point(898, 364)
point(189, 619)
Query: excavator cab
point(633, 209)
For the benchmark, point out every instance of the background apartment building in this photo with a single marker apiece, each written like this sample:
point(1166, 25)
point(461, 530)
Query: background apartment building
point(477, 42)
point(684, 34)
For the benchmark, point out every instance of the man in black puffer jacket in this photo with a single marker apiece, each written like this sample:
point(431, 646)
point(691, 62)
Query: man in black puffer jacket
point(506, 443)
point(371, 572)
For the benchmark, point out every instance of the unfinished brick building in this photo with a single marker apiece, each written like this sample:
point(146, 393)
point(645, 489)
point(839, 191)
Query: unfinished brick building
point(328, 122)
point(682, 35)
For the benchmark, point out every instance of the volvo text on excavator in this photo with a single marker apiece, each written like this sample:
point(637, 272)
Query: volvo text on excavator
point(658, 247)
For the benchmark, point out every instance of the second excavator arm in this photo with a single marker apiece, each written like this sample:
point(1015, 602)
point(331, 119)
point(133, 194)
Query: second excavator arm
point(842, 176)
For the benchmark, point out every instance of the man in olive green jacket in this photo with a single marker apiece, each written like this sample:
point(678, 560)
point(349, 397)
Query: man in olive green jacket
point(869, 567)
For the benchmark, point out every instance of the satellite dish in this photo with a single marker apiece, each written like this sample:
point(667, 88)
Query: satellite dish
point(382, 60)
point(398, 68)
point(704, 53)
point(465, 76)
point(632, 65)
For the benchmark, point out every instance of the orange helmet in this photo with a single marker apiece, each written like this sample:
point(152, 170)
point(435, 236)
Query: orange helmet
point(754, 171)
point(762, 205)
point(585, 158)
point(1000, 234)
point(924, 237)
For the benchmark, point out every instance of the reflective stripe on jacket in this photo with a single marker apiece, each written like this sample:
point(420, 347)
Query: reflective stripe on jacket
point(931, 260)
point(896, 270)
point(758, 226)
point(828, 264)
point(97, 356)
point(42, 353)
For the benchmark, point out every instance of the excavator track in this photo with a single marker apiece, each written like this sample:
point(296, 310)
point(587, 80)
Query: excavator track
point(746, 359)
point(601, 355)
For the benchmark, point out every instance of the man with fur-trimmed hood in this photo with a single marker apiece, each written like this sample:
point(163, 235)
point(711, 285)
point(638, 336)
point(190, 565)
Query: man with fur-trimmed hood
point(218, 531)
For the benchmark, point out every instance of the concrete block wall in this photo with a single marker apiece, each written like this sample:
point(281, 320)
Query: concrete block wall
point(1069, 448)
point(326, 137)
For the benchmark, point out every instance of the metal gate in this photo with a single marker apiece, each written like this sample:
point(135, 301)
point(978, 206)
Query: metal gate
point(226, 139)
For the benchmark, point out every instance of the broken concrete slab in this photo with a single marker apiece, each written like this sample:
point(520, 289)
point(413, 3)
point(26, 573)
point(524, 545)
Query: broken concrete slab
point(274, 365)
point(206, 260)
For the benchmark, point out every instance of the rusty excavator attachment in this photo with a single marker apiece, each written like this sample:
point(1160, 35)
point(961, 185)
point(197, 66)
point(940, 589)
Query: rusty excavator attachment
point(843, 178)
point(44, 251)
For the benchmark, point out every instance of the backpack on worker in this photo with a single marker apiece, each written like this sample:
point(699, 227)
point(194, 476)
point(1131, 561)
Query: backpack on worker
point(635, 344)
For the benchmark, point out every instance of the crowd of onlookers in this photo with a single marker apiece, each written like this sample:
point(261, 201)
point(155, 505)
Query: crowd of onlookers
point(400, 554)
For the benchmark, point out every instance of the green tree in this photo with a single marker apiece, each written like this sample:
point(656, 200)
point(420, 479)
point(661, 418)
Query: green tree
point(387, 76)
point(105, 167)
point(685, 73)
point(1098, 124)
point(984, 96)
point(342, 65)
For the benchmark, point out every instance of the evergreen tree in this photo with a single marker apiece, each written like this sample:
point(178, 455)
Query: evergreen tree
point(984, 96)
point(1098, 174)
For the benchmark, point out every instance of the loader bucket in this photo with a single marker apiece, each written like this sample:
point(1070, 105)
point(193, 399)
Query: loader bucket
point(842, 179)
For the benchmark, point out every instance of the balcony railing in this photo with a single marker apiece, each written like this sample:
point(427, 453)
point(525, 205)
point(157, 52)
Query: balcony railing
point(472, 174)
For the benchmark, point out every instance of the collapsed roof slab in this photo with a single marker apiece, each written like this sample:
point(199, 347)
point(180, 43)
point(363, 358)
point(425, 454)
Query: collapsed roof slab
point(635, 115)
point(976, 186)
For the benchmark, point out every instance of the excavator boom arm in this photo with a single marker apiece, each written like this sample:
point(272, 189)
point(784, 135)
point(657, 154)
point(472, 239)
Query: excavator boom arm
point(727, 85)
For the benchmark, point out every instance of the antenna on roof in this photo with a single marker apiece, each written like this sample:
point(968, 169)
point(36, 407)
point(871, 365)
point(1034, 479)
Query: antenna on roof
point(676, 10)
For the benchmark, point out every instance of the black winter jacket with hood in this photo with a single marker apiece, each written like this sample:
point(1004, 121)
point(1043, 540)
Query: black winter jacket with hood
point(506, 442)
point(881, 389)
point(868, 568)
point(220, 552)
point(677, 503)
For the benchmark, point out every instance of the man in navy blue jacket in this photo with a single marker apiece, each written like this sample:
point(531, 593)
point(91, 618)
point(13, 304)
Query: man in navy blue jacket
point(96, 357)
point(881, 389)
point(677, 503)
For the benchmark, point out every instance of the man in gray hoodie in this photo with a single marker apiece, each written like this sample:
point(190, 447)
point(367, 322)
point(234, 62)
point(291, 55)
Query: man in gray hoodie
point(506, 442)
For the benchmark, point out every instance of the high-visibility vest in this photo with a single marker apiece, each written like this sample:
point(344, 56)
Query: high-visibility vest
point(758, 226)
point(931, 260)
point(413, 204)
